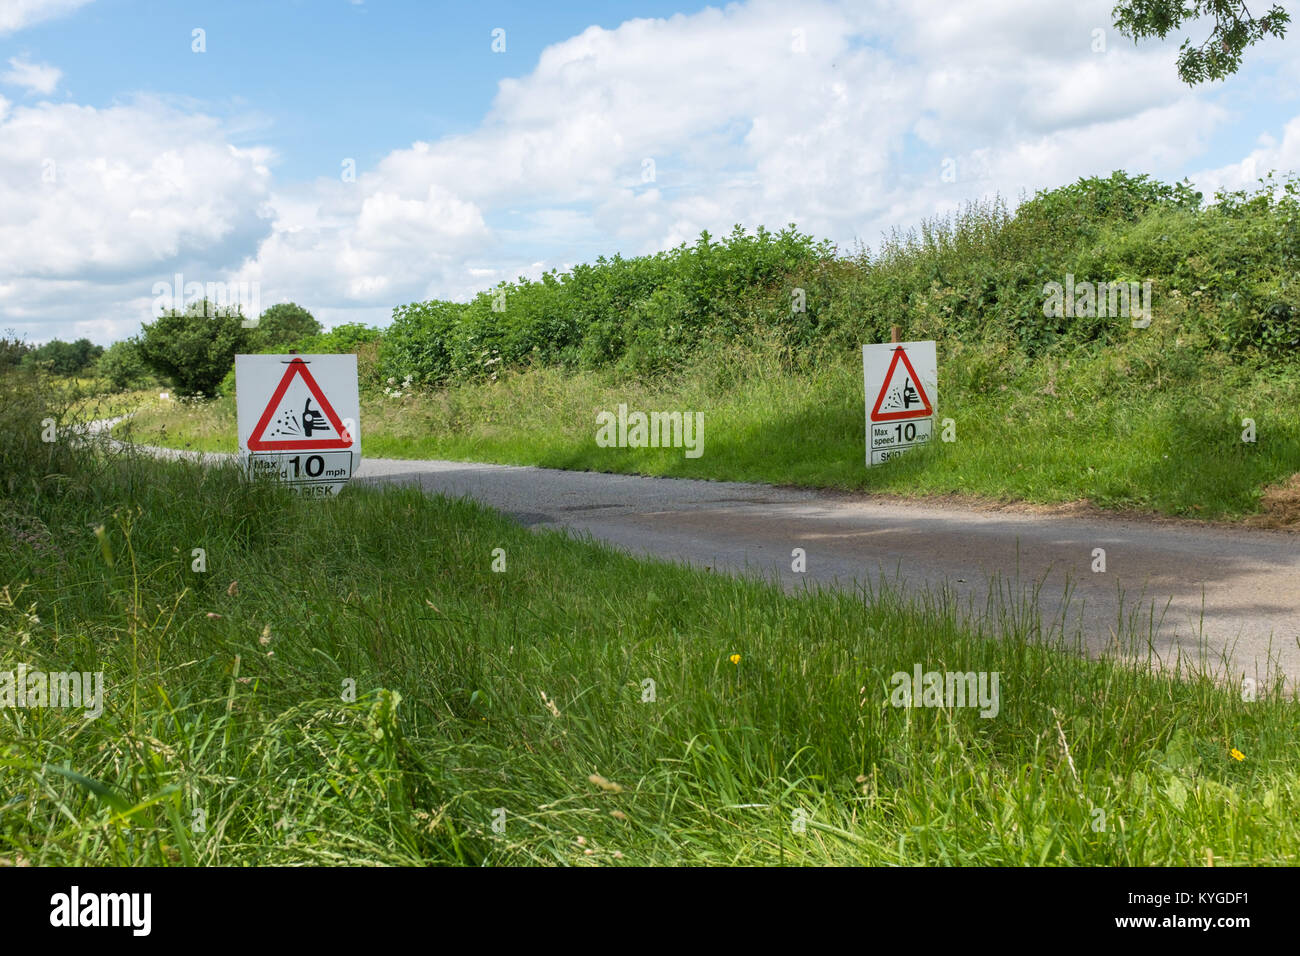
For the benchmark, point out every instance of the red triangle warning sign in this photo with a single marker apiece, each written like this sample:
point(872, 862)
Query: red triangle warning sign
point(902, 395)
point(292, 424)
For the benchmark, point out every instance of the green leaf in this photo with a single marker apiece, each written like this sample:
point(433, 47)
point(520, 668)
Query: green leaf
point(101, 790)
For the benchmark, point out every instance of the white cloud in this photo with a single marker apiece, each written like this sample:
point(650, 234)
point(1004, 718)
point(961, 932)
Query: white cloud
point(97, 205)
point(1270, 155)
point(37, 77)
point(119, 190)
point(833, 115)
point(332, 243)
point(16, 14)
point(761, 113)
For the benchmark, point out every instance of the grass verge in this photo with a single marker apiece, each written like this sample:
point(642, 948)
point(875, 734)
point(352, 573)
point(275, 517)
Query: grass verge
point(352, 682)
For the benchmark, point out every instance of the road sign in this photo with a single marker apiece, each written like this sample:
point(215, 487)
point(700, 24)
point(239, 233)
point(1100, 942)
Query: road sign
point(299, 419)
point(902, 382)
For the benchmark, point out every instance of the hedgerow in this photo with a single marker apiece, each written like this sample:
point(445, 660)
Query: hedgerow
point(1225, 272)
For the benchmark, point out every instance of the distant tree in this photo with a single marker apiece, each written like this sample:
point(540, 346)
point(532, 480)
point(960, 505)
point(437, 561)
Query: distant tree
point(87, 353)
point(282, 325)
point(195, 348)
point(122, 365)
point(66, 358)
point(44, 355)
point(1220, 54)
point(52, 353)
point(12, 350)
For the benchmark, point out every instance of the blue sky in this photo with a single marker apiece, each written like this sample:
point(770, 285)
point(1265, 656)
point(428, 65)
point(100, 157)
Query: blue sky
point(127, 158)
point(315, 79)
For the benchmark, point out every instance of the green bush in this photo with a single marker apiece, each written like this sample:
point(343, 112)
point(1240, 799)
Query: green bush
point(123, 366)
point(280, 326)
point(65, 358)
point(417, 342)
point(195, 348)
point(1224, 273)
point(341, 339)
point(644, 314)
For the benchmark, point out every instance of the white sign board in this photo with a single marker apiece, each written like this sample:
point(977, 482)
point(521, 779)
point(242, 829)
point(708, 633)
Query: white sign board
point(902, 387)
point(299, 419)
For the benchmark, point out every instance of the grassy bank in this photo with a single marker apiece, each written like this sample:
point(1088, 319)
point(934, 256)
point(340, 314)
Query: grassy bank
point(1146, 424)
point(607, 710)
